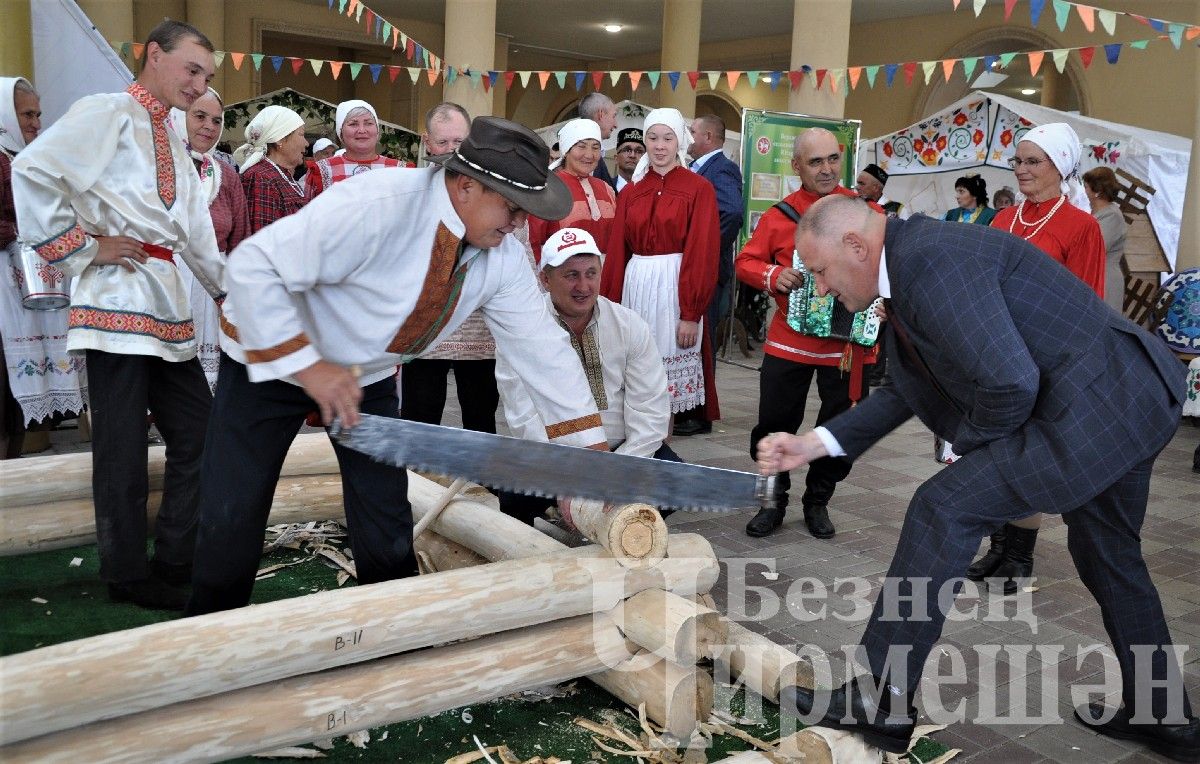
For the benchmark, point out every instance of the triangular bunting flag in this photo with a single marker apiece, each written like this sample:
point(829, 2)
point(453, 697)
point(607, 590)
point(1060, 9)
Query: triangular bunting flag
point(487, 83)
point(237, 60)
point(492, 77)
point(773, 80)
point(653, 77)
point(508, 80)
point(732, 78)
point(969, 66)
point(393, 73)
point(336, 68)
point(1139, 44)
point(927, 68)
point(889, 71)
point(1112, 52)
point(277, 61)
point(1008, 8)
point(358, 12)
point(1085, 55)
point(579, 78)
point(1006, 59)
point(561, 79)
point(395, 38)
point(543, 78)
point(257, 59)
point(524, 76)
point(948, 67)
point(138, 49)
point(597, 79)
point(341, 6)
point(1157, 25)
point(979, 7)
point(451, 75)
point(375, 70)
point(989, 62)
point(910, 68)
point(795, 77)
point(1140, 19)
point(432, 76)
point(956, 2)
point(316, 65)
point(1062, 11)
point(1087, 15)
point(424, 56)
point(297, 63)
point(673, 79)
point(854, 73)
point(713, 79)
point(353, 5)
point(821, 77)
point(752, 77)
point(331, 5)
point(872, 73)
point(1108, 20)
point(370, 18)
point(1174, 30)
point(387, 30)
point(355, 70)
point(414, 72)
point(615, 77)
point(1035, 10)
point(219, 57)
point(1060, 58)
point(126, 49)
point(1035, 61)
point(837, 78)
point(634, 79)
point(475, 76)
point(410, 49)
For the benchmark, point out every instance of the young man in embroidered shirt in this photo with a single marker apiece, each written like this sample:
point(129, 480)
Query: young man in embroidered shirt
point(322, 306)
point(107, 194)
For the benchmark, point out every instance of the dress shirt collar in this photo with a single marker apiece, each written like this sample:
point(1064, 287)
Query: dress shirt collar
point(700, 162)
point(885, 284)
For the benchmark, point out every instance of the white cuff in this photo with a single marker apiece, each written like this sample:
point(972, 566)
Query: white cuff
point(831, 445)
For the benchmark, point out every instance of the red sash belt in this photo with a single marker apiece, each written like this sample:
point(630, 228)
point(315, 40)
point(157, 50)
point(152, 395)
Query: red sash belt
point(162, 253)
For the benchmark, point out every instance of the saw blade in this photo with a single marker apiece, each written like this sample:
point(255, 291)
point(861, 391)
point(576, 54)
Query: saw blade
point(550, 470)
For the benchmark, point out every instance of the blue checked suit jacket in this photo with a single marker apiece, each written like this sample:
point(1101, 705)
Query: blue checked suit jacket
point(726, 178)
point(1031, 364)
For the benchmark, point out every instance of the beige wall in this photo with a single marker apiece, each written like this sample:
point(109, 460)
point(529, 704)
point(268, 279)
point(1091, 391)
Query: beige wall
point(16, 48)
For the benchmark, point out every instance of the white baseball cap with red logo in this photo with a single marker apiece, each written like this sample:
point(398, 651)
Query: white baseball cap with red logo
point(565, 244)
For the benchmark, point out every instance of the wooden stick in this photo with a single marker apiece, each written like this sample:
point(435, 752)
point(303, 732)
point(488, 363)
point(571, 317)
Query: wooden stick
point(339, 701)
point(676, 697)
point(433, 512)
point(635, 534)
point(667, 625)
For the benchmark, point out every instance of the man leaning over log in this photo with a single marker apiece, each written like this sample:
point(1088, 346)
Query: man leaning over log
point(322, 306)
point(616, 351)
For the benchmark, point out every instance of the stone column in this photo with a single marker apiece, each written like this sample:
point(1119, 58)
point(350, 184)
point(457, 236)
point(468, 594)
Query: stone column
point(209, 17)
point(1189, 230)
point(1051, 80)
point(16, 43)
point(114, 19)
point(821, 39)
point(470, 43)
point(680, 53)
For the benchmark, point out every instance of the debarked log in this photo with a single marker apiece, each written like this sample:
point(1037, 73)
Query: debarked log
point(634, 534)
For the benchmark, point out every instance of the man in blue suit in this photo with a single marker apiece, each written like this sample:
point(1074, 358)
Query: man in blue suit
point(1055, 401)
point(709, 162)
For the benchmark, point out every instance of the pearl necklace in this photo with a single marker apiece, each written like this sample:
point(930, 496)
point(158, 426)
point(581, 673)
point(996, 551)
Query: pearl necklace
point(296, 185)
point(1037, 225)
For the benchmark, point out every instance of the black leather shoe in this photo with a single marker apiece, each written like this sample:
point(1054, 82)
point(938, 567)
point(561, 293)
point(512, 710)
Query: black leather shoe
point(1178, 742)
point(150, 593)
point(691, 427)
point(888, 731)
point(816, 517)
point(765, 522)
point(986, 565)
point(1017, 565)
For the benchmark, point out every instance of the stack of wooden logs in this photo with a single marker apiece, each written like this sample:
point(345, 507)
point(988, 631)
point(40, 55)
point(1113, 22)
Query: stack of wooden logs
point(508, 609)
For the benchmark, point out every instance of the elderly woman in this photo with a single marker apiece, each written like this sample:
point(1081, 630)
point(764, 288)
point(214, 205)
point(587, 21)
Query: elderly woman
point(1053, 217)
point(1101, 188)
point(971, 193)
point(274, 148)
point(662, 258)
point(1003, 199)
point(595, 202)
point(358, 129)
point(200, 129)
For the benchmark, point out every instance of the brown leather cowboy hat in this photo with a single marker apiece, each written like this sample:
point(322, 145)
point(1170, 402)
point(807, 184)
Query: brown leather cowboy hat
point(513, 161)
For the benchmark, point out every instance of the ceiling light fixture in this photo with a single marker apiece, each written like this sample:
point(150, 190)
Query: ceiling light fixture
point(612, 28)
point(1028, 91)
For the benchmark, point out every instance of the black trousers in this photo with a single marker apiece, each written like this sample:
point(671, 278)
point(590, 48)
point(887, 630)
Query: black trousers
point(423, 392)
point(121, 388)
point(252, 426)
point(782, 392)
point(527, 508)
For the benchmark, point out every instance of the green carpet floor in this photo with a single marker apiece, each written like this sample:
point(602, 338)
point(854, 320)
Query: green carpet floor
point(76, 606)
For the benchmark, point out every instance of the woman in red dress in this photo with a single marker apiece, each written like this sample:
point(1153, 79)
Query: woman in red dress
point(357, 128)
point(1056, 218)
point(594, 201)
point(662, 258)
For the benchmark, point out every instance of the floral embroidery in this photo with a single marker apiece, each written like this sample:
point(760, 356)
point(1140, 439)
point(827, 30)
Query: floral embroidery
point(438, 297)
point(124, 322)
point(164, 161)
point(61, 247)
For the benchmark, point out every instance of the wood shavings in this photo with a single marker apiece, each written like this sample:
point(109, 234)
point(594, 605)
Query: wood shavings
point(324, 745)
point(479, 745)
point(342, 577)
point(472, 756)
point(359, 739)
point(290, 753)
point(75, 562)
point(729, 729)
point(338, 559)
point(633, 754)
point(506, 756)
point(40, 601)
point(264, 578)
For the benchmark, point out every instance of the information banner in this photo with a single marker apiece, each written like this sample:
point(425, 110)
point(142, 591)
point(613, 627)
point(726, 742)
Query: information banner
point(767, 173)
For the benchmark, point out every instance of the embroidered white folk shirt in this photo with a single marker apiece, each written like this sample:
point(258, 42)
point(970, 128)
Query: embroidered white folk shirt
point(634, 403)
point(374, 271)
point(111, 167)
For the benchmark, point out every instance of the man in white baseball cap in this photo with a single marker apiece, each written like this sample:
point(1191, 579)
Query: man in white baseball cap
point(619, 356)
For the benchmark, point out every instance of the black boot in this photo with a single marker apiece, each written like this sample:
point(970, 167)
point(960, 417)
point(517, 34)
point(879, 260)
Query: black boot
point(1018, 557)
point(768, 520)
point(816, 518)
point(985, 566)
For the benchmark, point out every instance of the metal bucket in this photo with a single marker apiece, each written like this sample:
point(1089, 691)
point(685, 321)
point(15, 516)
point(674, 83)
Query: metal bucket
point(43, 287)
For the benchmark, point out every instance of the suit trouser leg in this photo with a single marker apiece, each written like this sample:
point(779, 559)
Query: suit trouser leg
point(249, 433)
point(1104, 538)
point(378, 514)
point(118, 394)
point(782, 394)
point(833, 387)
point(423, 390)
point(181, 403)
point(478, 396)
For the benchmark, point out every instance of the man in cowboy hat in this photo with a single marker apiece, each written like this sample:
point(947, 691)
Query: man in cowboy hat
point(325, 303)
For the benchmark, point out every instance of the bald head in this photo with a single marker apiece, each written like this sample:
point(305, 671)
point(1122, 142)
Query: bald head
point(817, 159)
point(840, 240)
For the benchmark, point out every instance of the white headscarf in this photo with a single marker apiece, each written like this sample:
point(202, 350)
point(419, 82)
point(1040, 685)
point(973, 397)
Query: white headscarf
point(1061, 144)
point(11, 139)
point(669, 118)
point(322, 144)
point(210, 166)
point(571, 133)
point(270, 125)
point(345, 109)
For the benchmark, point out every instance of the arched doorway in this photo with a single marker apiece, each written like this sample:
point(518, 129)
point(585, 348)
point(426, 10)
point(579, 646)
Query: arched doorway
point(722, 105)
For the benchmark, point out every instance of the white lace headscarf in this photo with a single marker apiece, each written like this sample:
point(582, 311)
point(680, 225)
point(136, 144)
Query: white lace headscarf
point(668, 118)
point(270, 125)
point(571, 133)
point(210, 166)
point(1061, 144)
point(11, 138)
